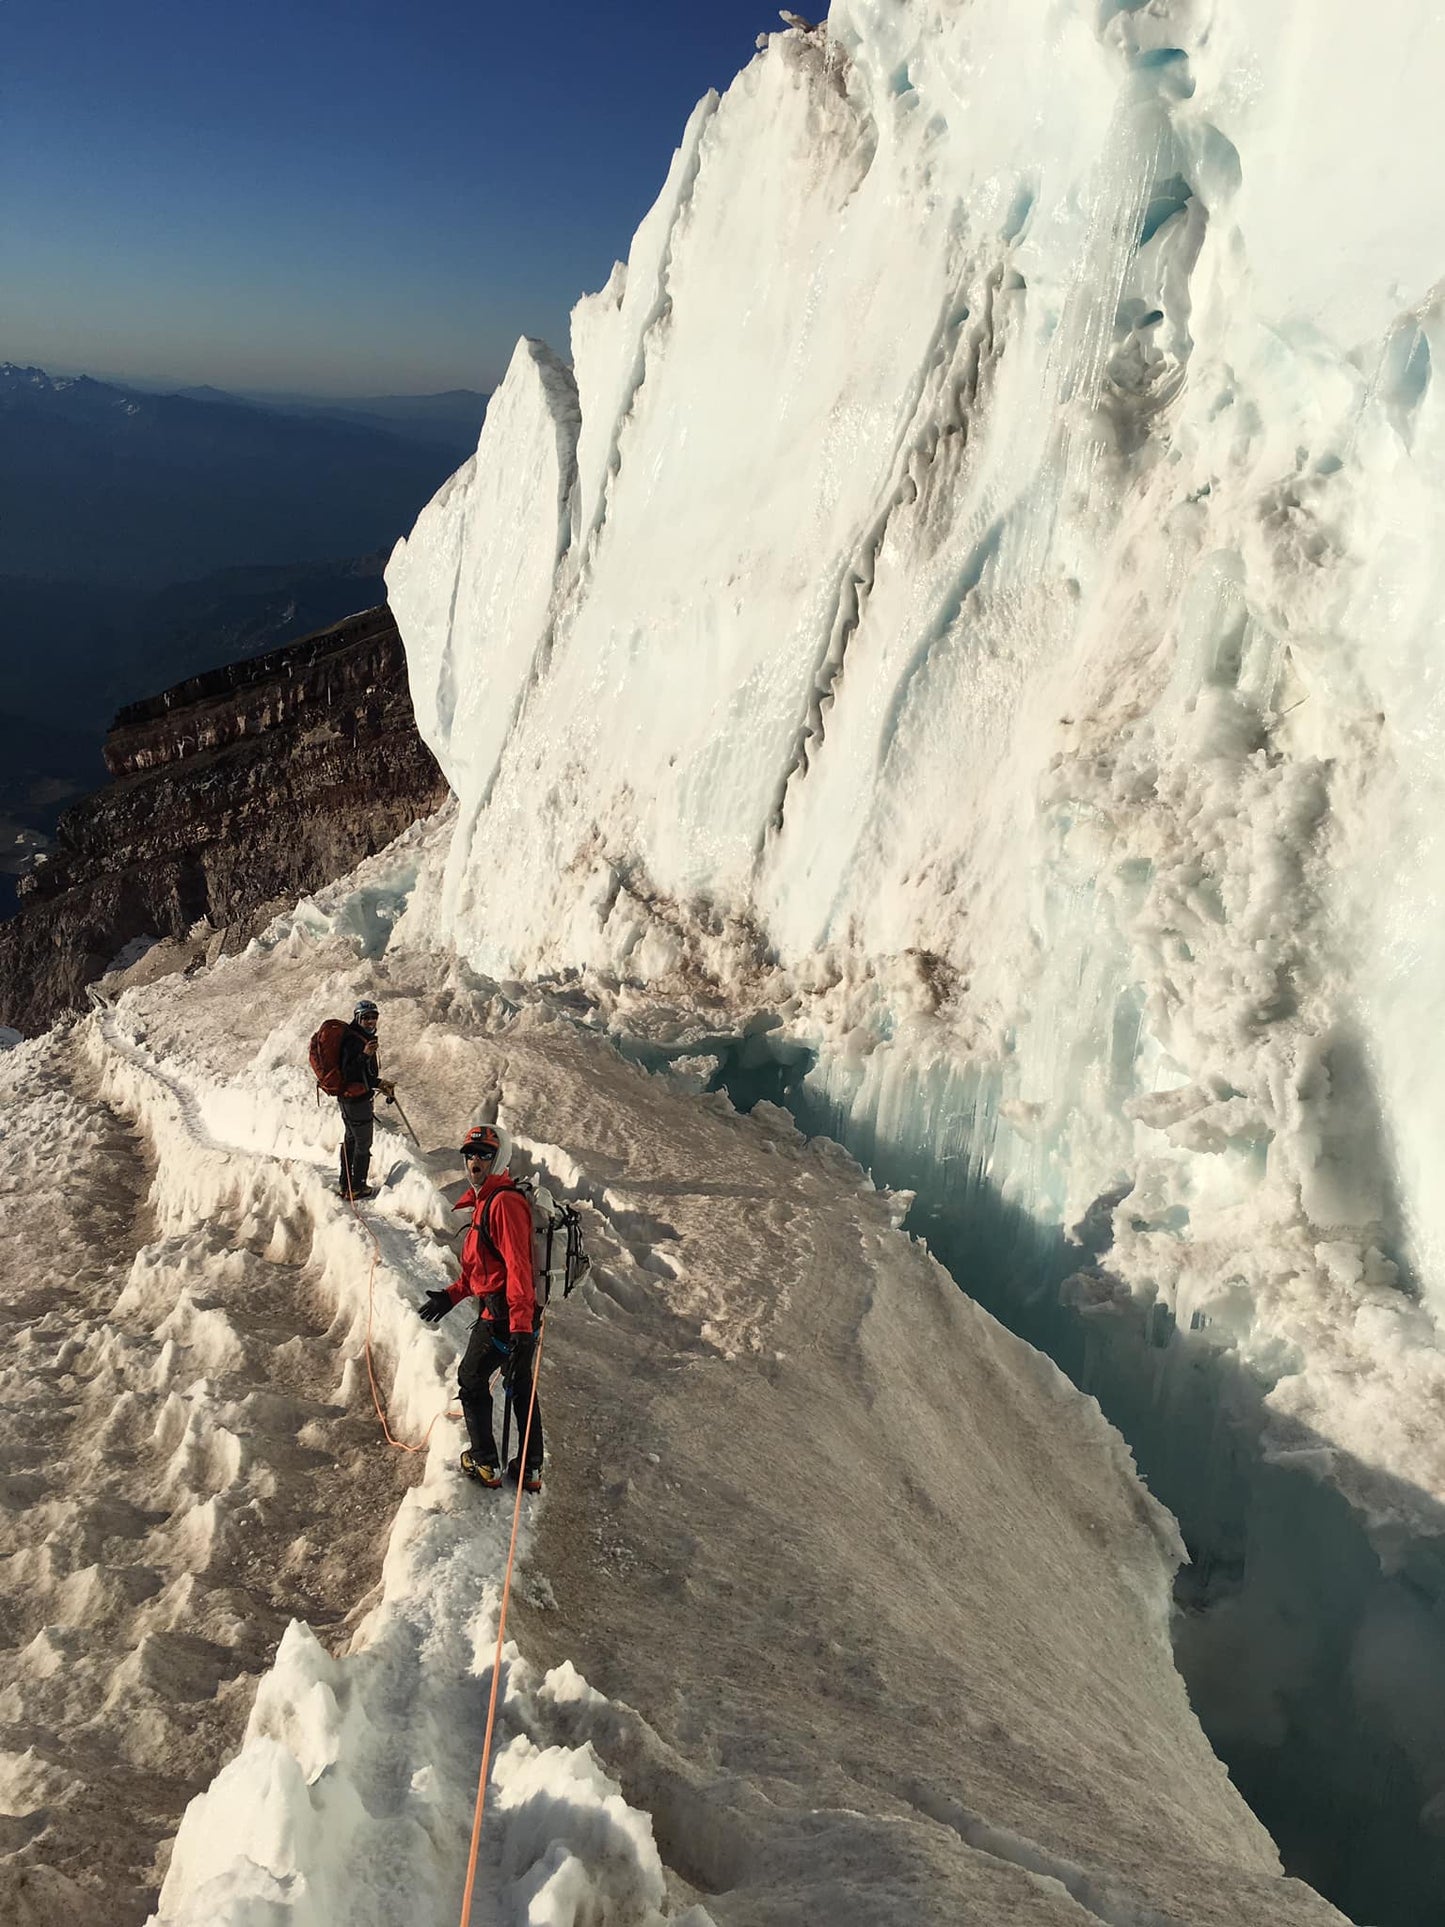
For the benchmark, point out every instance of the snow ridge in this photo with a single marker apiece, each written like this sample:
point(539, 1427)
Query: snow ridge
point(929, 424)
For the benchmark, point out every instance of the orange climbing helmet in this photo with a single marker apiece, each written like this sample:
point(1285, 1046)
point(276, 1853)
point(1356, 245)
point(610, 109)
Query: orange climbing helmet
point(483, 1141)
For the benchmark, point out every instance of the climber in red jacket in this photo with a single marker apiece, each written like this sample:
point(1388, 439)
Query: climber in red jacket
point(497, 1272)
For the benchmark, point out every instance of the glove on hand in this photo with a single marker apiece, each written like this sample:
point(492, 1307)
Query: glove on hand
point(438, 1304)
point(387, 1088)
point(520, 1361)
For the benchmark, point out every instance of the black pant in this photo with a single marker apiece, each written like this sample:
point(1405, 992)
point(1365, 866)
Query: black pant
point(482, 1359)
point(358, 1114)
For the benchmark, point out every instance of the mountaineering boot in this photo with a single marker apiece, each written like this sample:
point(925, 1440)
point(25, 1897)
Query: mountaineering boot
point(531, 1479)
point(484, 1471)
point(357, 1191)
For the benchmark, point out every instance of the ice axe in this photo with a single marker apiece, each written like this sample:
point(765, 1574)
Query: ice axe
point(394, 1099)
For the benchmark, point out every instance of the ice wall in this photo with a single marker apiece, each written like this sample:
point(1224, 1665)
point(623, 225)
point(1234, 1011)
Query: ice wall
point(990, 616)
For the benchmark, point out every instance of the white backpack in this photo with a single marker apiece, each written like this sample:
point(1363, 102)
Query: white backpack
point(558, 1259)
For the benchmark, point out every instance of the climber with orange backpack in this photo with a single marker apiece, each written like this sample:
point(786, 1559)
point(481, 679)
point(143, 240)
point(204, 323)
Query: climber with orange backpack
point(343, 1060)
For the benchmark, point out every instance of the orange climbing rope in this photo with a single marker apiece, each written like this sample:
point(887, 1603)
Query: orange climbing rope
point(401, 1446)
point(501, 1634)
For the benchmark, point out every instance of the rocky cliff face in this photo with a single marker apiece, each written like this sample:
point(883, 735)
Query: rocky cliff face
point(233, 792)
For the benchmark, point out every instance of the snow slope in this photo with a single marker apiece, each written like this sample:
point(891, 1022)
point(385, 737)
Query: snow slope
point(995, 633)
point(183, 1466)
point(809, 1521)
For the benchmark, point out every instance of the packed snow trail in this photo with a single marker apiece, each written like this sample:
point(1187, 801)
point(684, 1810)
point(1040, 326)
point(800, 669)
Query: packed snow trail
point(384, 1838)
point(879, 1609)
point(183, 1471)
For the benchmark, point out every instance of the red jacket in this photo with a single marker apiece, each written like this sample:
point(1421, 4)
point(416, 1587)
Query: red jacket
point(501, 1279)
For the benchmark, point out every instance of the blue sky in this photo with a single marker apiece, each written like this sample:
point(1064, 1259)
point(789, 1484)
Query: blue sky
point(357, 198)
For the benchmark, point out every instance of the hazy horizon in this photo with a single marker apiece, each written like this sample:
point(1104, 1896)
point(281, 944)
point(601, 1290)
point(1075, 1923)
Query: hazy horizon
point(173, 385)
point(329, 203)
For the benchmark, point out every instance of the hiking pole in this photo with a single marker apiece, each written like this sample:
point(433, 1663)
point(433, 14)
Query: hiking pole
point(394, 1099)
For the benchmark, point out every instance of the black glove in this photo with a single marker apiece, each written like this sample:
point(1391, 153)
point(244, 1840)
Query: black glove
point(520, 1360)
point(438, 1304)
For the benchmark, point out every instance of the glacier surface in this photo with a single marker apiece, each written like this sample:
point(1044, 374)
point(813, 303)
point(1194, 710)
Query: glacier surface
point(839, 1602)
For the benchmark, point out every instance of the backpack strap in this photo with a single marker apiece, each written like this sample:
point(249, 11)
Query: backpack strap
point(497, 1298)
point(480, 1220)
point(482, 1232)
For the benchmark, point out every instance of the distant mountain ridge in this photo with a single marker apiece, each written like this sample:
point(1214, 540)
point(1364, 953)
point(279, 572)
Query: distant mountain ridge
point(105, 484)
point(114, 646)
point(145, 537)
point(232, 794)
point(457, 410)
point(453, 416)
point(76, 654)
